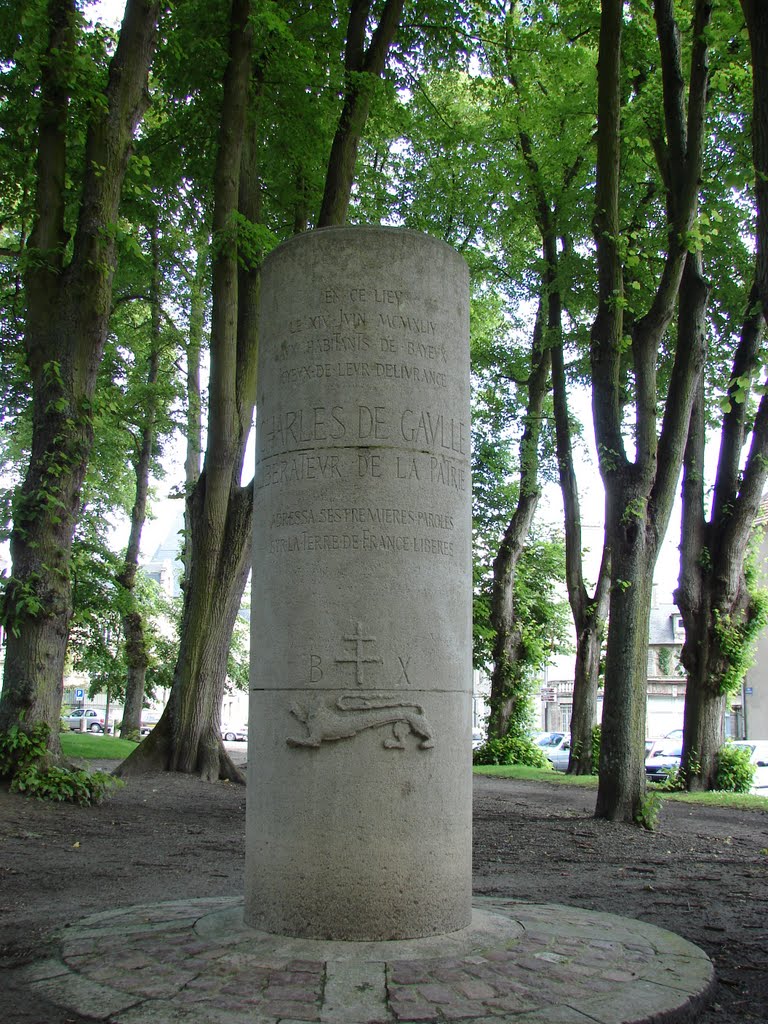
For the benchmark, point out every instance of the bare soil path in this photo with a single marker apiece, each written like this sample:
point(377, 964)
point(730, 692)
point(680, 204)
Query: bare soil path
point(703, 873)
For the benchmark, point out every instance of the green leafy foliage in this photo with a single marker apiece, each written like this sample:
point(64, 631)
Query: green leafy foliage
point(596, 735)
point(73, 785)
point(25, 762)
point(511, 750)
point(648, 812)
point(735, 771)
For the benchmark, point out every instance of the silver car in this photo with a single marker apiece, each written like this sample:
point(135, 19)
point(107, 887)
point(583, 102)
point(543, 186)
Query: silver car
point(558, 753)
point(94, 720)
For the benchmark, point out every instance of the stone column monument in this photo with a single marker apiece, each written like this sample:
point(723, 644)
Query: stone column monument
point(359, 774)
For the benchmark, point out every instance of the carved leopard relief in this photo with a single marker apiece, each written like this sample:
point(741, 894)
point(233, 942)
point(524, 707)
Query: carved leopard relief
point(351, 714)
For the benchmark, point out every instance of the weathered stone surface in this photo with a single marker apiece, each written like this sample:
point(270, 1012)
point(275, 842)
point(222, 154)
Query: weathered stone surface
point(359, 788)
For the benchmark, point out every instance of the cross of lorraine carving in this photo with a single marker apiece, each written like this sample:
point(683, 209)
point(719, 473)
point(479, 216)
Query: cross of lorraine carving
point(359, 659)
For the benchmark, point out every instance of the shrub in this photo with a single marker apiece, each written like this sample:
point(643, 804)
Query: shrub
point(648, 813)
point(511, 750)
point(24, 761)
point(596, 736)
point(735, 771)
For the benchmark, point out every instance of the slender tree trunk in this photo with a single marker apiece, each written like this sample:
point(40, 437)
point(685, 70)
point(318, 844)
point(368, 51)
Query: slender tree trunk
point(586, 677)
point(68, 308)
point(506, 676)
point(136, 654)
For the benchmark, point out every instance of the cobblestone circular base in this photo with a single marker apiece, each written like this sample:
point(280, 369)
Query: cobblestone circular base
point(195, 962)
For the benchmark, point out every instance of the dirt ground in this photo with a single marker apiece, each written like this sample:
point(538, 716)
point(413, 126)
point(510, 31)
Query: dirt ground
point(703, 873)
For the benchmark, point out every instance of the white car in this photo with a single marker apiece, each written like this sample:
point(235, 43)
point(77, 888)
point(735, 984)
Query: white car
point(759, 758)
point(233, 734)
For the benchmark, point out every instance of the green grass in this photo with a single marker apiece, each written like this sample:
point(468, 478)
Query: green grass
point(95, 747)
point(523, 771)
point(735, 801)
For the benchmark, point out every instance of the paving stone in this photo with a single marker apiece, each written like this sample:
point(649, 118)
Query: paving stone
point(85, 997)
point(355, 992)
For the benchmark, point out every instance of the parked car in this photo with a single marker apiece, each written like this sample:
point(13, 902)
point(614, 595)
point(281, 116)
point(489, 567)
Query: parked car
point(558, 754)
point(233, 734)
point(654, 747)
point(548, 739)
point(477, 739)
point(759, 758)
point(94, 720)
point(664, 761)
point(149, 720)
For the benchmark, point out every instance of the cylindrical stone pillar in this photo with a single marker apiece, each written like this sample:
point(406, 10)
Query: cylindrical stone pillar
point(359, 766)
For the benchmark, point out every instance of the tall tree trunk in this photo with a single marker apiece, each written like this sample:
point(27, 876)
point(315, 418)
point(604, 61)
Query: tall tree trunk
point(362, 67)
point(640, 493)
point(194, 431)
point(68, 308)
point(586, 679)
point(188, 738)
point(136, 654)
point(506, 677)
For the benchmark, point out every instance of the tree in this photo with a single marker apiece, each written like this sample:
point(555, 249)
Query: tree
point(553, 191)
point(640, 486)
point(67, 278)
point(220, 509)
point(187, 738)
point(722, 609)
